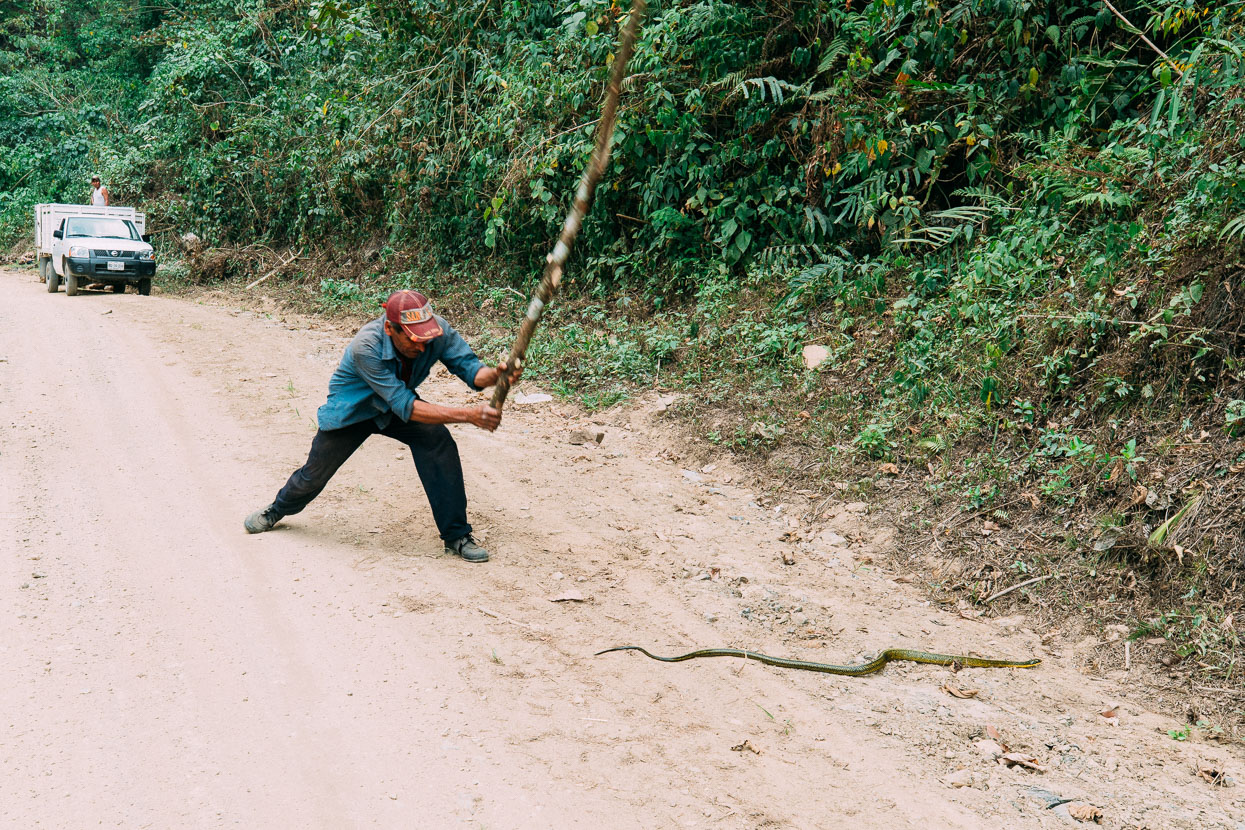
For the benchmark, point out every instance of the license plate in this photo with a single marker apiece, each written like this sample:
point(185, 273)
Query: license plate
point(116, 266)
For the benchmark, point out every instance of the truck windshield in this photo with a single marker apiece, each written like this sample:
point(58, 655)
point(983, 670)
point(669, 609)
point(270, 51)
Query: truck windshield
point(100, 228)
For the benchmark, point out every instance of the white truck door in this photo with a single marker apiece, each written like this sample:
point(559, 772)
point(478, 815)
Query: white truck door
point(58, 248)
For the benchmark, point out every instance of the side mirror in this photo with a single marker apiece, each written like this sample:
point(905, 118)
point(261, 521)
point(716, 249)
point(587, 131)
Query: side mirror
point(147, 238)
point(58, 234)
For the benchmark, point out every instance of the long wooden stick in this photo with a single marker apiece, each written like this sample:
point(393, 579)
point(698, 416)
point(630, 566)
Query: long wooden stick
point(555, 262)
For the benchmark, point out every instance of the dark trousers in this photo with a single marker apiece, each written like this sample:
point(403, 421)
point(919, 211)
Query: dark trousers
point(436, 461)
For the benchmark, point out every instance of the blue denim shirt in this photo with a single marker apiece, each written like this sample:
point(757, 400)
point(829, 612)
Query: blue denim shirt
point(366, 383)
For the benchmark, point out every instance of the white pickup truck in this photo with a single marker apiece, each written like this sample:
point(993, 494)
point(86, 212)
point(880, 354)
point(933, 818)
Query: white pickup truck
point(82, 244)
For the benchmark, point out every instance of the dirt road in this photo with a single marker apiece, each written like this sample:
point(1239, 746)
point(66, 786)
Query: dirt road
point(164, 669)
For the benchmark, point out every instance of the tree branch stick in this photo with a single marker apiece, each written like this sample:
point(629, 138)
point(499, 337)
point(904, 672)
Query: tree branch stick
point(1142, 35)
point(1007, 591)
point(280, 265)
point(556, 261)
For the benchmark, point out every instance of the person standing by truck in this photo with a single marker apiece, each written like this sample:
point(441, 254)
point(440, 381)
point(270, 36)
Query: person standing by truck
point(99, 194)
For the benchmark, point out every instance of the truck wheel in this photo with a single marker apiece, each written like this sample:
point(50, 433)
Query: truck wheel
point(71, 282)
point(118, 288)
point(144, 286)
point(49, 273)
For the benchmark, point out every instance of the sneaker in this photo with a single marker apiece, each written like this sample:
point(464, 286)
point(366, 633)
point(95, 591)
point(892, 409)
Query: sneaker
point(262, 520)
point(467, 548)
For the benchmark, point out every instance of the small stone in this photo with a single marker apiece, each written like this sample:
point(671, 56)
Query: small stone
point(990, 750)
point(788, 558)
point(815, 355)
point(586, 436)
point(857, 507)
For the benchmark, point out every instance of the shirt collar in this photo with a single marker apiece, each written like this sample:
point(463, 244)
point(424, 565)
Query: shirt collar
point(387, 351)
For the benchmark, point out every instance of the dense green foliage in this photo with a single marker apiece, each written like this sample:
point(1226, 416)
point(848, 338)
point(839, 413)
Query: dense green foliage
point(1011, 222)
point(750, 127)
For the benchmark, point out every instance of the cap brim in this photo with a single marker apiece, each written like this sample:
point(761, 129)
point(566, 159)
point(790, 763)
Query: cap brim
point(427, 330)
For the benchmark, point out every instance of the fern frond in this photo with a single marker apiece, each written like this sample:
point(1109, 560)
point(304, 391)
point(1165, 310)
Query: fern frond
point(987, 197)
point(836, 50)
point(1097, 198)
point(963, 213)
point(790, 253)
point(1234, 229)
point(731, 81)
point(768, 87)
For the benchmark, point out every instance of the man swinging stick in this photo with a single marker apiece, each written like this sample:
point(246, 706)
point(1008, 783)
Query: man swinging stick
point(373, 391)
point(373, 385)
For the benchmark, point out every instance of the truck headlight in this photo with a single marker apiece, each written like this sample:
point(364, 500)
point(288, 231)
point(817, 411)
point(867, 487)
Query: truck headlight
point(79, 251)
point(147, 256)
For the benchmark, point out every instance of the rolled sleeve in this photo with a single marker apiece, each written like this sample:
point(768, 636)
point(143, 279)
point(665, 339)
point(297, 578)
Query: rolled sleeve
point(384, 383)
point(459, 358)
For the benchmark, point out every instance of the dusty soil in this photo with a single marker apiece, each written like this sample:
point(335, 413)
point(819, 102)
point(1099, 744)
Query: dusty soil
point(164, 669)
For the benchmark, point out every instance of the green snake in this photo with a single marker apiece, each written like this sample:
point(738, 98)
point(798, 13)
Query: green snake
point(860, 670)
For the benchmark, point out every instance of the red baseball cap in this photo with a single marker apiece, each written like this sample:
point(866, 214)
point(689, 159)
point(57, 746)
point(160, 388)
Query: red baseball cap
point(411, 311)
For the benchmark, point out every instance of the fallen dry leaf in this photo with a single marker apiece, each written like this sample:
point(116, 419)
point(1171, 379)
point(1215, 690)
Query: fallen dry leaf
point(1081, 811)
point(569, 596)
point(1013, 759)
point(1236, 468)
point(994, 733)
point(1033, 500)
point(1116, 472)
point(1111, 711)
point(988, 527)
point(746, 746)
point(956, 691)
point(1213, 775)
point(890, 469)
point(904, 579)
